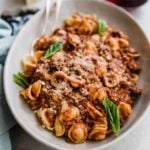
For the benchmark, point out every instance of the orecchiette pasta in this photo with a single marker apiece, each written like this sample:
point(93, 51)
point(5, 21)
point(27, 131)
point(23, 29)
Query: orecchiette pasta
point(78, 133)
point(99, 130)
point(74, 40)
point(37, 55)
point(29, 65)
point(83, 24)
point(59, 127)
point(93, 92)
point(81, 80)
point(113, 43)
point(94, 113)
point(91, 46)
point(102, 94)
point(30, 62)
point(74, 82)
point(64, 106)
point(42, 43)
point(68, 113)
point(111, 79)
point(99, 93)
point(46, 116)
point(125, 109)
point(23, 93)
point(33, 91)
point(134, 78)
point(123, 43)
point(60, 74)
point(75, 21)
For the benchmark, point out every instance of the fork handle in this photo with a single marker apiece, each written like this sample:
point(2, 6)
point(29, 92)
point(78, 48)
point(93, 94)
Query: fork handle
point(52, 6)
point(47, 12)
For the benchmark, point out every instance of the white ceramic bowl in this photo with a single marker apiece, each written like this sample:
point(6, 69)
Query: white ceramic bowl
point(119, 19)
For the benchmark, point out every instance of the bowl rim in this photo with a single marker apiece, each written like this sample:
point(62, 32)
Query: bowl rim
point(51, 145)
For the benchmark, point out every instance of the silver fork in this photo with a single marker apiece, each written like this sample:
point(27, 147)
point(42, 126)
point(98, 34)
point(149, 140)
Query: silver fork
point(47, 13)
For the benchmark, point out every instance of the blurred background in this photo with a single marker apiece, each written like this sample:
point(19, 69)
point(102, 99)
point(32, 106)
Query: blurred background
point(138, 8)
point(15, 4)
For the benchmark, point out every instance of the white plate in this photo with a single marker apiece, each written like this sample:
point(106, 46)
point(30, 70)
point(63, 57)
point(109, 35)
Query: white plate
point(119, 19)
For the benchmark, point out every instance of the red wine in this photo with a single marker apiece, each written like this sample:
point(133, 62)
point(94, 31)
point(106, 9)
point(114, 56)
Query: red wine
point(129, 3)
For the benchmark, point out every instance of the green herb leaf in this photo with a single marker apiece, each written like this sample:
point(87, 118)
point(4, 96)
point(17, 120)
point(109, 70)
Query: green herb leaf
point(113, 115)
point(54, 48)
point(101, 28)
point(20, 80)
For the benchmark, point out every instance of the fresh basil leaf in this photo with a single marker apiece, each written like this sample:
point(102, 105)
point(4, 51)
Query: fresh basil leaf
point(107, 109)
point(20, 80)
point(117, 121)
point(114, 129)
point(101, 28)
point(54, 48)
point(113, 115)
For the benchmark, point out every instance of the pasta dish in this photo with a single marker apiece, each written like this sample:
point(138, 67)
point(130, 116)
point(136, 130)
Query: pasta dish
point(81, 80)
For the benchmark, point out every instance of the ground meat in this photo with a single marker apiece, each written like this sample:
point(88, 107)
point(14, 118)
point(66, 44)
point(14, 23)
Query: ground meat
point(133, 65)
point(118, 34)
point(120, 95)
point(77, 78)
point(42, 43)
point(135, 90)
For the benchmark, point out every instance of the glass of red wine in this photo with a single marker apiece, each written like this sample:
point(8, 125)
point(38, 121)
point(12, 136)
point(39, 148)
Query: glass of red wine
point(128, 3)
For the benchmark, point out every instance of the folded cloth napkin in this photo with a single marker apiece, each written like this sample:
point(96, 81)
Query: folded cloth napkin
point(9, 27)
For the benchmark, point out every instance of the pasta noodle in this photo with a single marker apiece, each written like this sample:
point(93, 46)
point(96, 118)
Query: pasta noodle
point(125, 109)
point(68, 113)
point(78, 133)
point(29, 63)
point(46, 116)
point(111, 79)
point(99, 130)
point(94, 113)
point(34, 90)
point(59, 127)
point(74, 71)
